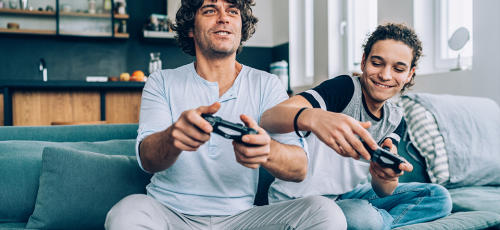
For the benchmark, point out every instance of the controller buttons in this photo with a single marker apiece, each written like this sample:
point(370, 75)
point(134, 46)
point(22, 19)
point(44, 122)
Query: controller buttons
point(386, 160)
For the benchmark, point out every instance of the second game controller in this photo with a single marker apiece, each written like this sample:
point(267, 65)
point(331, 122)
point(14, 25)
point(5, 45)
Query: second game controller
point(385, 158)
point(219, 125)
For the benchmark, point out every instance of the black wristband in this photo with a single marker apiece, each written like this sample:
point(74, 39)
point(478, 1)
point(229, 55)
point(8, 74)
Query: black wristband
point(296, 127)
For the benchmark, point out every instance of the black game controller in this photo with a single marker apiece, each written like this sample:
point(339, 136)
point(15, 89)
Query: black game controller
point(385, 158)
point(217, 123)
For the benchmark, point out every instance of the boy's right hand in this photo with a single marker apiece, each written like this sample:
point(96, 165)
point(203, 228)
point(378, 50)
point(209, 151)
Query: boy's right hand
point(338, 131)
point(191, 130)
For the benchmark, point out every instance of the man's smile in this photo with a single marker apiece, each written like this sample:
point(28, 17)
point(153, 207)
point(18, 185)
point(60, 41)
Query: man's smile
point(223, 32)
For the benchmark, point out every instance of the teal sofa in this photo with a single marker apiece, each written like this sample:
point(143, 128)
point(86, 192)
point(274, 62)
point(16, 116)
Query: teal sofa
point(68, 177)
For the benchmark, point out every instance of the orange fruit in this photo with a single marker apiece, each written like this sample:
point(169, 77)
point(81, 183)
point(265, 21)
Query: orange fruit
point(137, 76)
point(138, 73)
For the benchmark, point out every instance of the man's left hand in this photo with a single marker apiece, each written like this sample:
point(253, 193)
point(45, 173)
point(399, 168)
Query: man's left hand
point(256, 147)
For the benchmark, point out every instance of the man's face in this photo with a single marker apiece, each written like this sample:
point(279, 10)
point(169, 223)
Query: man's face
point(217, 28)
point(386, 70)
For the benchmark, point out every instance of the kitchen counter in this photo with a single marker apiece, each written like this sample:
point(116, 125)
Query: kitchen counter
point(9, 86)
point(16, 84)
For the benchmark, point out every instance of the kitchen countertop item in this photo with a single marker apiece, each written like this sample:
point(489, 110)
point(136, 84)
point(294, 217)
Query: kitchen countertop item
point(13, 25)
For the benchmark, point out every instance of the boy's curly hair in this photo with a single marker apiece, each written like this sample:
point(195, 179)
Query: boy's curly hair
point(398, 32)
point(185, 17)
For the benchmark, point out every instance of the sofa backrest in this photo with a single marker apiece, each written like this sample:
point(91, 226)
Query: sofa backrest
point(69, 133)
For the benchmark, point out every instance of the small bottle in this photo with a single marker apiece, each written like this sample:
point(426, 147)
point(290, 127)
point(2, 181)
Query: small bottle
point(155, 62)
point(92, 7)
point(123, 27)
point(280, 69)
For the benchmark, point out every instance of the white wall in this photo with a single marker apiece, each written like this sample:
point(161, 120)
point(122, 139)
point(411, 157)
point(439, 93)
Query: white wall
point(263, 36)
point(272, 28)
point(320, 41)
point(396, 11)
point(280, 21)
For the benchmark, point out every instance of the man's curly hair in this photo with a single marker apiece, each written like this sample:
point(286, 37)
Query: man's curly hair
point(397, 32)
point(185, 17)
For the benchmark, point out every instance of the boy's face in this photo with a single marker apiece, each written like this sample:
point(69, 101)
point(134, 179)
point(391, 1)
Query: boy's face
point(217, 28)
point(386, 70)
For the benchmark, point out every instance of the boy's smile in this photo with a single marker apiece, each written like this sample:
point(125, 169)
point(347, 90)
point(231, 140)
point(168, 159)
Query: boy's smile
point(385, 71)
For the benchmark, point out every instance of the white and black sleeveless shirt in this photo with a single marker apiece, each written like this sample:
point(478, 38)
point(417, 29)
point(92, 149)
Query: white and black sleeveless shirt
point(329, 173)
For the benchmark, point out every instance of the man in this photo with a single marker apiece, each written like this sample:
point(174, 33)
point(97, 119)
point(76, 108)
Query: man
point(343, 108)
point(203, 181)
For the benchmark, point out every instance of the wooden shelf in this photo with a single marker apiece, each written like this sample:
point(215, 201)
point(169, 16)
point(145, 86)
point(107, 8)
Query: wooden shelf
point(121, 16)
point(75, 14)
point(63, 14)
point(158, 34)
point(122, 35)
point(28, 31)
point(85, 33)
point(27, 12)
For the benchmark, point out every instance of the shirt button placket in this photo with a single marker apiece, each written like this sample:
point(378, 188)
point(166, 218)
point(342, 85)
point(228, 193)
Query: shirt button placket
point(212, 150)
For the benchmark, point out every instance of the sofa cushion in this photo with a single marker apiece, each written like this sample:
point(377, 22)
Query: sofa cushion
point(419, 173)
point(460, 220)
point(13, 226)
point(470, 127)
point(78, 188)
point(426, 138)
point(20, 164)
point(479, 198)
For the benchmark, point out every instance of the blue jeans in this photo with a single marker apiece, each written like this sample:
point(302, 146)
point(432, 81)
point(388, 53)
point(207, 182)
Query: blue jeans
point(410, 203)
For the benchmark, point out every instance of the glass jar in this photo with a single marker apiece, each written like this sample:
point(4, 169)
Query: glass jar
point(155, 62)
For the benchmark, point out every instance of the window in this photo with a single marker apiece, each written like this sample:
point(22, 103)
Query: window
point(450, 16)
point(301, 42)
point(361, 21)
point(349, 23)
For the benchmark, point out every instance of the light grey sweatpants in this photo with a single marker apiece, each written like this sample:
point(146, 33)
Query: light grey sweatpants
point(144, 212)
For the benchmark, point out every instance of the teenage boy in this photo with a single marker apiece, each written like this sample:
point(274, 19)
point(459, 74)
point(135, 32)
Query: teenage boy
point(201, 180)
point(341, 108)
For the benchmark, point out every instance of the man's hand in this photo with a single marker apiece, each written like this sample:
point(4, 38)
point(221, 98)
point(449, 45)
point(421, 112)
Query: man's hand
point(191, 130)
point(159, 151)
point(338, 131)
point(257, 148)
point(385, 180)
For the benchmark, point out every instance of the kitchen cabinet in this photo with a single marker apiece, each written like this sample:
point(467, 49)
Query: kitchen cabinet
point(83, 18)
point(33, 103)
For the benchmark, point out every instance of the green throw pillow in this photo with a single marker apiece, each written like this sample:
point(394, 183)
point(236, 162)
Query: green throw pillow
point(78, 188)
point(20, 166)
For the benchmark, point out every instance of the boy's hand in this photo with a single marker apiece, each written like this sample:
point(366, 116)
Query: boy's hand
point(338, 131)
point(387, 175)
point(393, 149)
point(257, 148)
